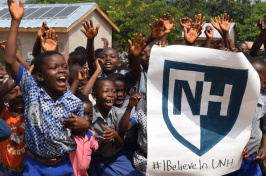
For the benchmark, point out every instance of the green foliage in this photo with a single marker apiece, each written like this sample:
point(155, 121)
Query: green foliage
point(134, 16)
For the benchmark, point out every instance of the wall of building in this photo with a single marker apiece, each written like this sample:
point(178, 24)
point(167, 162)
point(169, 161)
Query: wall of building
point(77, 38)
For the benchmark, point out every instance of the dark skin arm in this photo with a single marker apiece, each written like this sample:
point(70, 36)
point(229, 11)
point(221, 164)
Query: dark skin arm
point(111, 135)
point(90, 33)
point(77, 124)
point(88, 87)
point(10, 53)
point(134, 99)
point(37, 48)
point(82, 75)
point(134, 51)
point(168, 27)
point(262, 151)
point(209, 34)
point(260, 39)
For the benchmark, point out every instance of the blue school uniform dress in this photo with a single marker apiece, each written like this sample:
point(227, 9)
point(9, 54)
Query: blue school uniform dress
point(248, 167)
point(109, 159)
point(45, 136)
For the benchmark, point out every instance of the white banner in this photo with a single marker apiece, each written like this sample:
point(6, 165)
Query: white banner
point(201, 103)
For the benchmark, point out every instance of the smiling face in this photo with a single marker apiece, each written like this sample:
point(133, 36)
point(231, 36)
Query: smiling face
point(121, 91)
point(145, 57)
point(105, 95)
point(15, 100)
point(2, 73)
point(110, 59)
point(54, 75)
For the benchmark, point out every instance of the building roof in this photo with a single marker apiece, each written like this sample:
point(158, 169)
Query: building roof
point(60, 17)
point(216, 34)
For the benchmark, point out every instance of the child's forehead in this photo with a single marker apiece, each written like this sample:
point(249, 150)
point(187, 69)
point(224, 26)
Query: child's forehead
point(119, 82)
point(109, 51)
point(105, 83)
point(55, 58)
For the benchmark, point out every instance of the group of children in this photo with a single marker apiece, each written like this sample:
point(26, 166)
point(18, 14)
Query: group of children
point(79, 115)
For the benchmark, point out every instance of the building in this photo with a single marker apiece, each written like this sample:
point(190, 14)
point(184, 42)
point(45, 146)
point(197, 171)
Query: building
point(65, 19)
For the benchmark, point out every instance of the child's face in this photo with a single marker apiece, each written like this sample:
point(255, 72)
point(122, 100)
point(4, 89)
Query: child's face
point(262, 74)
point(105, 95)
point(55, 74)
point(145, 57)
point(110, 59)
point(88, 113)
point(15, 100)
point(2, 73)
point(121, 91)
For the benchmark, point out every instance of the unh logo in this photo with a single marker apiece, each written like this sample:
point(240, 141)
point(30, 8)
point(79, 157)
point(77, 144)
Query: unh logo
point(207, 96)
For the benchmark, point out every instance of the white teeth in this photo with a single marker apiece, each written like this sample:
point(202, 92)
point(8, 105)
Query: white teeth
point(62, 77)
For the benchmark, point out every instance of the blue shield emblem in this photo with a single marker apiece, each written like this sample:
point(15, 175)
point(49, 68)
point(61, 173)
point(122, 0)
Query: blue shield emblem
point(221, 111)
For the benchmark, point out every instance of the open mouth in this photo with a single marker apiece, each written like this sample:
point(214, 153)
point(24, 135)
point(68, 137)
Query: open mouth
point(109, 102)
point(1, 79)
point(119, 101)
point(20, 104)
point(108, 65)
point(61, 80)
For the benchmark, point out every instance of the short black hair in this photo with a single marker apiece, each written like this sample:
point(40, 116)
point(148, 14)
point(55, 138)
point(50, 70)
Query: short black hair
point(84, 99)
point(81, 48)
point(98, 80)
point(40, 60)
point(73, 73)
point(117, 77)
point(77, 57)
point(98, 52)
point(108, 49)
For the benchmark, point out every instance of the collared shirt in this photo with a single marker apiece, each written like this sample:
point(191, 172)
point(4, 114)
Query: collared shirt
point(113, 120)
point(45, 135)
point(139, 87)
point(81, 158)
point(256, 131)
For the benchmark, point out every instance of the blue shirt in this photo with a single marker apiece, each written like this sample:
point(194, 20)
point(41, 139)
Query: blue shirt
point(45, 135)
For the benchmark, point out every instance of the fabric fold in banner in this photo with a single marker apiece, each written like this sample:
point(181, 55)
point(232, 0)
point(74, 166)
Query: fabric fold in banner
point(201, 103)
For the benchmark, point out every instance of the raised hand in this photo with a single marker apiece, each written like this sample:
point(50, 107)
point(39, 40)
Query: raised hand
point(83, 74)
point(134, 99)
point(105, 42)
point(89, 31)
point(158, 30)
point(198, 22)
point(42, 30)
point(168, 26)
point(15, 10)
point(50, 42)
point(185, 22)
point(209, 32)
point(138, 45)
point(98, 64)
point(225, 22)
point(191, 35)
point(216, 25)
point(261, 23)
point(3, 44)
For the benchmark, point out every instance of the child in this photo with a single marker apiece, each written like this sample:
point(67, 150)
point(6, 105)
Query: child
point(258, 130)
point(86, 143)
point(77, 57)
point(48, 102)
point(13, 150)
point(110, 159)
point(2, 74)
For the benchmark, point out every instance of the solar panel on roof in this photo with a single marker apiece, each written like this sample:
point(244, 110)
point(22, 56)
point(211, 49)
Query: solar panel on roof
point(4, 11)
point(6, 16)
point(53, 12)
point(40, 12)
point(29, 11)
point(66, 12)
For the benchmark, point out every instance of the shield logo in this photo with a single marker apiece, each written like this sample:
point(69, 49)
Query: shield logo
point(208, 97)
